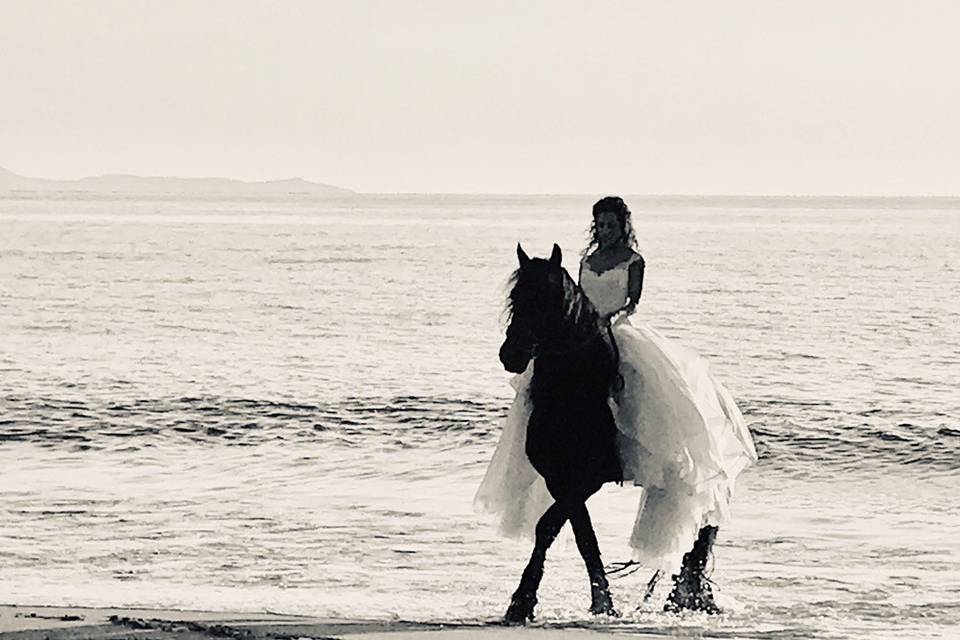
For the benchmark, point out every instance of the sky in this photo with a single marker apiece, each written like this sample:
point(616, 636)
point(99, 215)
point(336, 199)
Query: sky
point(539, 96)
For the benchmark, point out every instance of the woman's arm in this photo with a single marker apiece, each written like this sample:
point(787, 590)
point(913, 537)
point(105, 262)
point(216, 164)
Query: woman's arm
point(635, 281)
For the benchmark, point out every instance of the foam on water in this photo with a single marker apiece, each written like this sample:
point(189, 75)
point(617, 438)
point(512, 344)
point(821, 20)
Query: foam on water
point(287, 405)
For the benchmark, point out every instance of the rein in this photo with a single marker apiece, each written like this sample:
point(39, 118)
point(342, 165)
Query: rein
point(617, 377)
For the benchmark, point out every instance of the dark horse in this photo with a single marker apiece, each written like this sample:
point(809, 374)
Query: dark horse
point(571, 434)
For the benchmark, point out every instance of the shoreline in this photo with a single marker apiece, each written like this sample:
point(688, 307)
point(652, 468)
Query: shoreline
point(43, 622)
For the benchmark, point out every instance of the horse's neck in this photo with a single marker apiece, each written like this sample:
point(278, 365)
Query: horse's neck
point(586, 365)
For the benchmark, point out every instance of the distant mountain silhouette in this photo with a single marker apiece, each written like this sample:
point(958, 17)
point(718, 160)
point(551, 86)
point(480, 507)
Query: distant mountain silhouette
point(147, 185)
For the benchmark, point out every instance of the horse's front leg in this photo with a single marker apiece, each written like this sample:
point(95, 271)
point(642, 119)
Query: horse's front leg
point(600, 600)
point(525, 597)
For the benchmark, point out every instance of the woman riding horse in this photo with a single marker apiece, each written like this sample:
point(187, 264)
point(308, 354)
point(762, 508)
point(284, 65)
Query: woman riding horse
point(609, 398)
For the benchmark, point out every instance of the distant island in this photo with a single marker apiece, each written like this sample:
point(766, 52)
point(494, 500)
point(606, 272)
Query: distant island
point(12, 184)
point(151, 185)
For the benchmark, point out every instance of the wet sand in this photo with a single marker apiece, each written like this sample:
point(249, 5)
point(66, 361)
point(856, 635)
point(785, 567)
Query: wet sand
point(78, 623)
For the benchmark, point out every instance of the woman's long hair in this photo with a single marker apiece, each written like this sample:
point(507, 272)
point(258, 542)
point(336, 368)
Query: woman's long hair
point(617, 206)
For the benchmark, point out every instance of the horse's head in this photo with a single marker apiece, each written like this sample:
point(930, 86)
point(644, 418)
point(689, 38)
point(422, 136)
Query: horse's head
point(542, 304)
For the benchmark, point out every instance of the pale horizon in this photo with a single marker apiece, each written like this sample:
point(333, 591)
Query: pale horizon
point(650, 195)
point(699, 98)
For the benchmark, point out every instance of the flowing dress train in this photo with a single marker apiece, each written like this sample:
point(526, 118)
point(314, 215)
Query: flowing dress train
point(681, 437)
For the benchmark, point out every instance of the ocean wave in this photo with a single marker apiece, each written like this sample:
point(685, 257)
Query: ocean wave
point(245, 421)
point(794, 436)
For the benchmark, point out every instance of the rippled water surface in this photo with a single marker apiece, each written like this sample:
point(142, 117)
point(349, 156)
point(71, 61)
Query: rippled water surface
point(287, 405)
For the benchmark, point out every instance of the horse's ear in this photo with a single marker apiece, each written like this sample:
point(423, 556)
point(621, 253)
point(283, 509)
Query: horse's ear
point(522, 256)
point(556, 256)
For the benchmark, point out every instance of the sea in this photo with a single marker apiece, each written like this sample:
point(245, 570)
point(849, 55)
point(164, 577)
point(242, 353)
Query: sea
point(286, 404)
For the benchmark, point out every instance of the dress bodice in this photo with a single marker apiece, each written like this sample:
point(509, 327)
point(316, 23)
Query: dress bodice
point(608, 290)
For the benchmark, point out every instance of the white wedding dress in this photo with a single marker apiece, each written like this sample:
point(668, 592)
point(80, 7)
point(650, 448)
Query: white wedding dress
point(682, 438)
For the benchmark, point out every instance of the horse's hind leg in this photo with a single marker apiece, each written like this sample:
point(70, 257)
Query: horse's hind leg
point(600, 600)
point(525, 597)
point(691, 587)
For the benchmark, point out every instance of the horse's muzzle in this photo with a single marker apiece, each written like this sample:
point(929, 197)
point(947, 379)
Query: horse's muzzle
point(514, 360)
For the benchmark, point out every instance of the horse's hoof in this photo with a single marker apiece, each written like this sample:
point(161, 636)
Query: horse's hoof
point(520, 610)
point(603, 606)
point(605, 611)
point(516, 616)
point(709, 608)
point(691, 592)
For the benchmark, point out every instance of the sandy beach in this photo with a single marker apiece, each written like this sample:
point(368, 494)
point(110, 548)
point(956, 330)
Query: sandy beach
point(80, 623)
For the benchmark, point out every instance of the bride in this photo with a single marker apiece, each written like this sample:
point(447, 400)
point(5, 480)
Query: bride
point(681, 436)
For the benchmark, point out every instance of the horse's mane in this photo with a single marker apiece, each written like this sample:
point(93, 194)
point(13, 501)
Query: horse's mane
point(580, 317)
point(577, 308)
